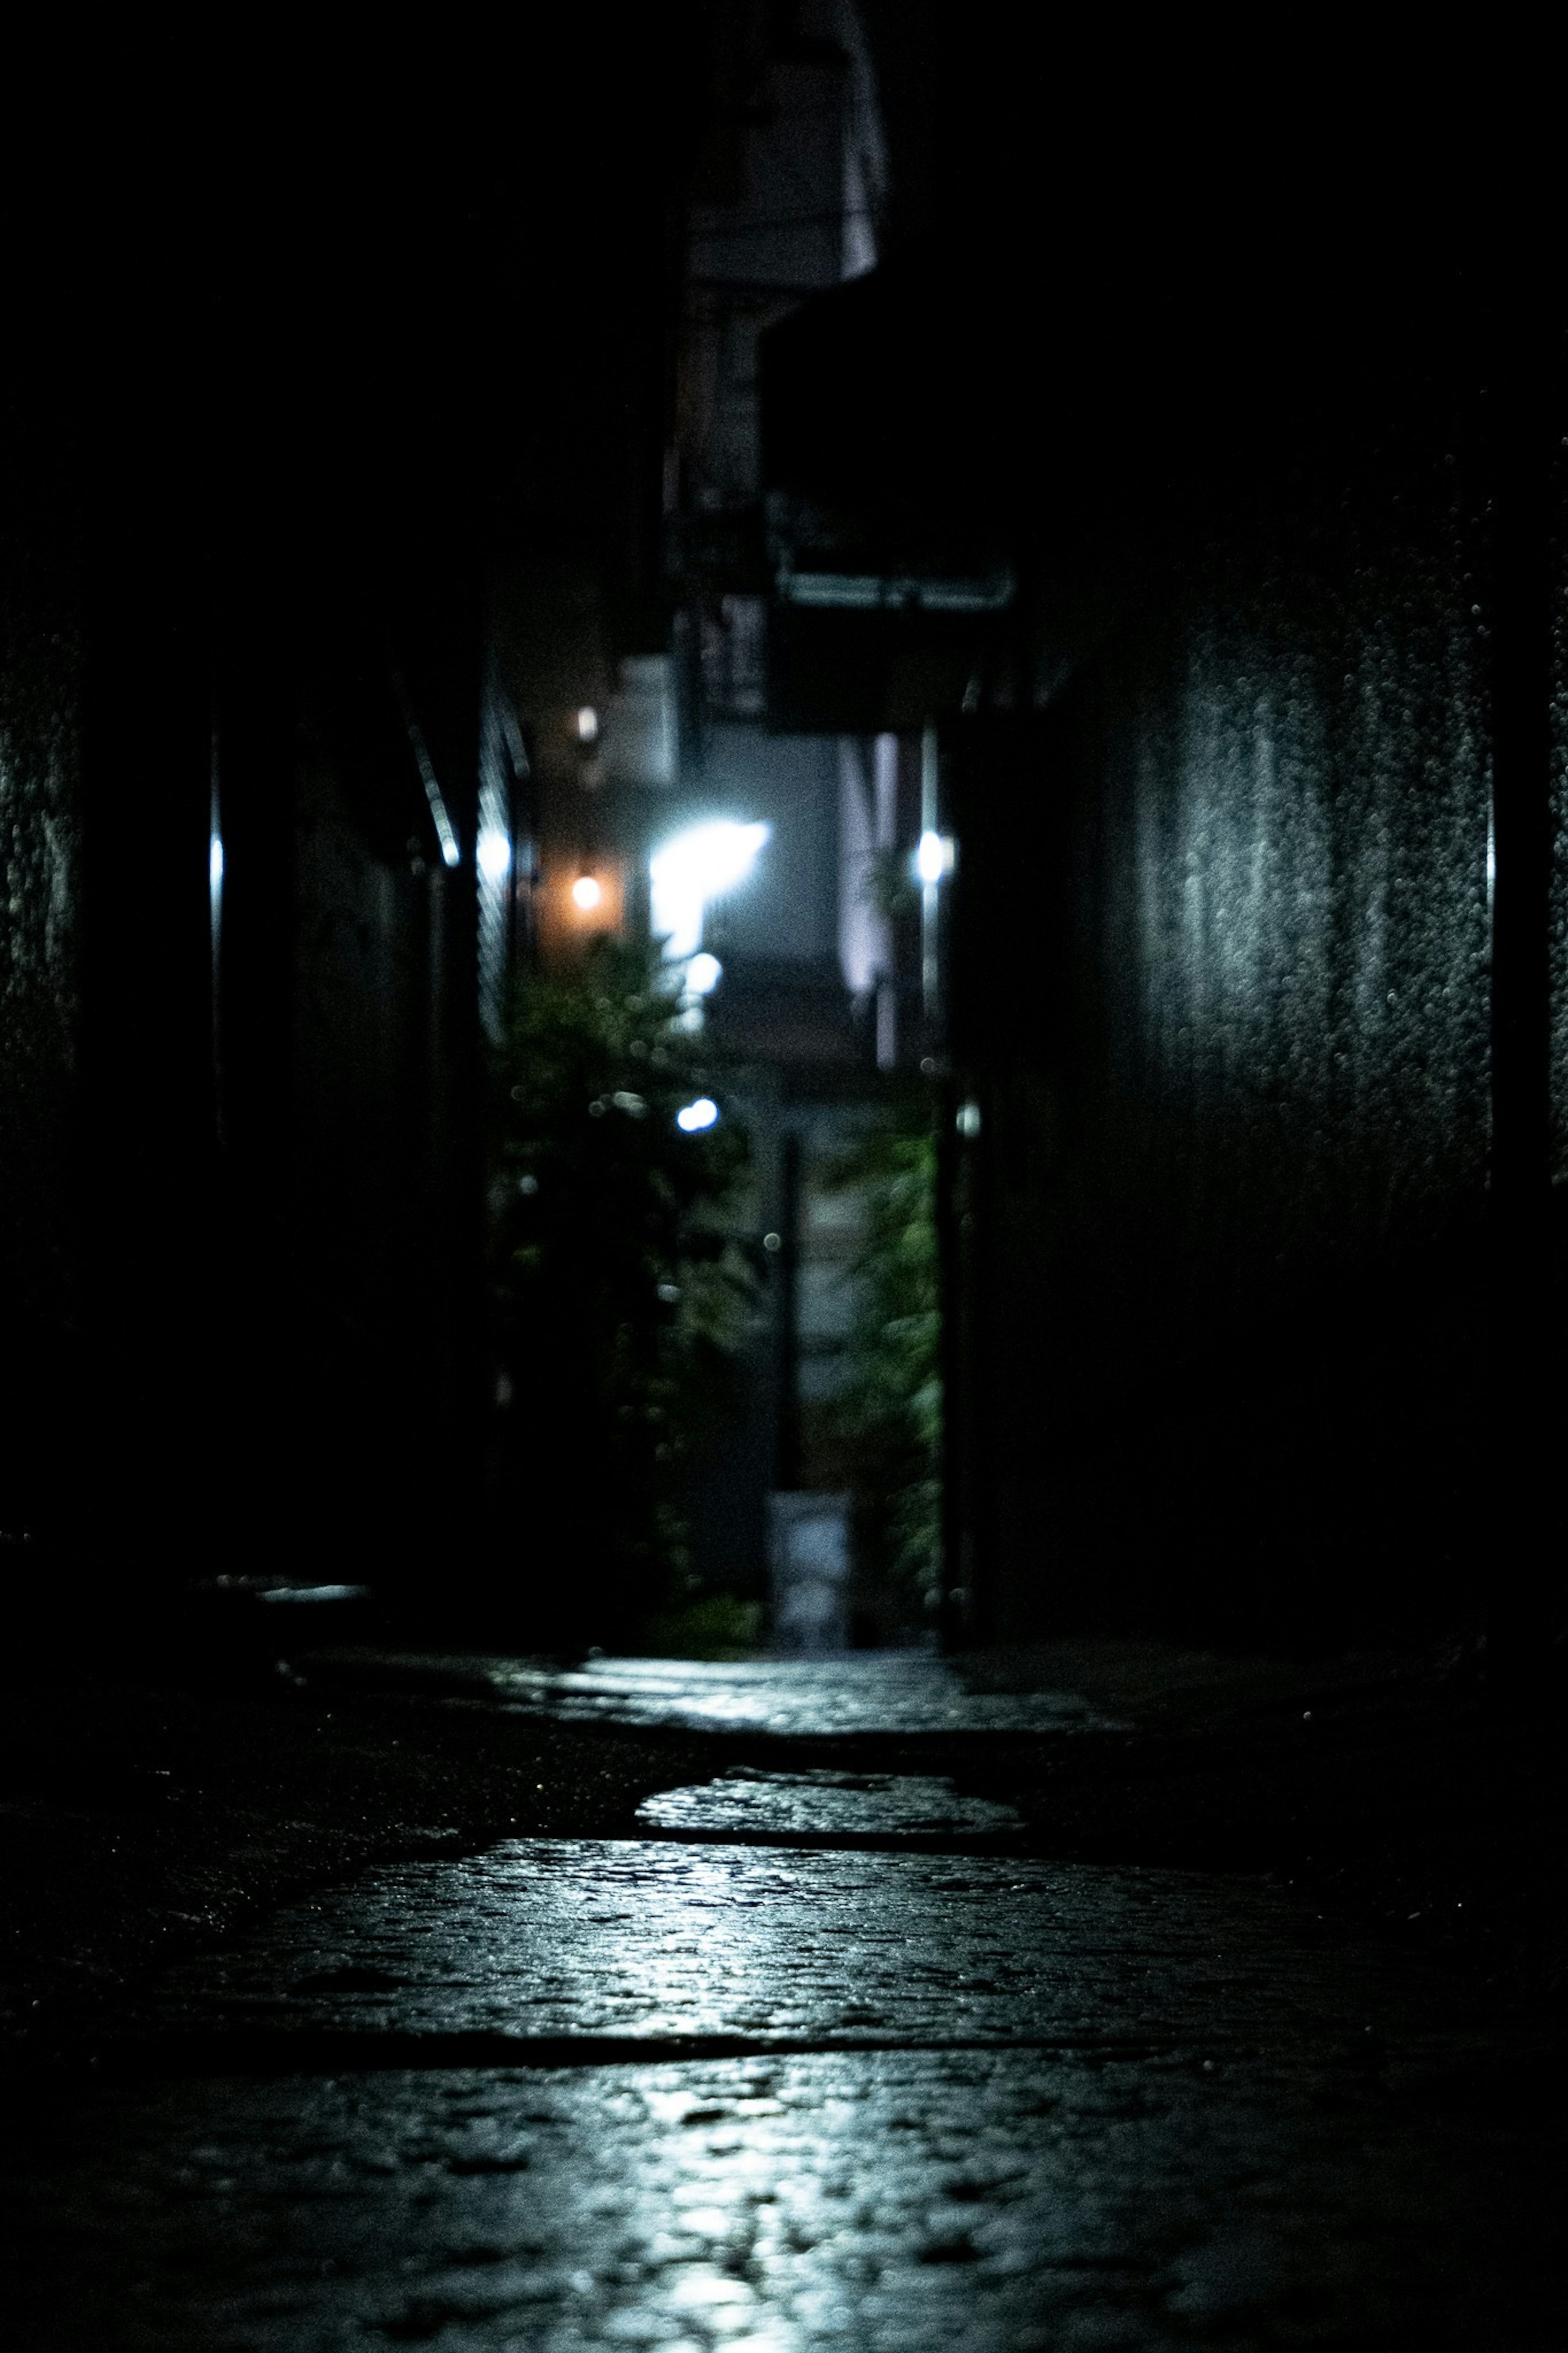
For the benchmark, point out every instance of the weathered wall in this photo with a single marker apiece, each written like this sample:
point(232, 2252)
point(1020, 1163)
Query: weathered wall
point(1223, 995)
point(41, 620)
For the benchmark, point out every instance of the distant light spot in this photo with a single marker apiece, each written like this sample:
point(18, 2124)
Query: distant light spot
point(703, 1112)
point(494, 853)
point(933, 859)
point(700, 864)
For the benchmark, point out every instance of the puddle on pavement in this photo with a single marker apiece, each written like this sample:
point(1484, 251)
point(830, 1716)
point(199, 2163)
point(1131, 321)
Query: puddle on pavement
point(871, 1691)
point(892, 2202)
point(782, 1806)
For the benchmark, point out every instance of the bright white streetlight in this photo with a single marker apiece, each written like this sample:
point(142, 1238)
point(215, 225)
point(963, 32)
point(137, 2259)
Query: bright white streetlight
point(933, 859)
point(693, 868)
point(703, 1112)
point(493, 852)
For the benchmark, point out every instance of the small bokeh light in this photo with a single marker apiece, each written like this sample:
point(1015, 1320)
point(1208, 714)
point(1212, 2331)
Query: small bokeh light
point(587, 724)
point(695, 1116)
point(587, 893)
point(703, 974)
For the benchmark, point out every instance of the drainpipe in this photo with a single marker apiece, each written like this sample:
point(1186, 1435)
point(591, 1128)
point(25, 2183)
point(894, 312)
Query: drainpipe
point(1518, 1612)
point(786, 1460)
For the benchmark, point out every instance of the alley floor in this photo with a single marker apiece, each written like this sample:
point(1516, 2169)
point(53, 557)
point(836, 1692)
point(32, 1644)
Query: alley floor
point(851, 2004)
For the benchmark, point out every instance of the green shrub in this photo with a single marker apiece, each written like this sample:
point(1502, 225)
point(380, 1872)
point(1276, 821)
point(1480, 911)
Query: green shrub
point(891, 1407)
point(618, 1297)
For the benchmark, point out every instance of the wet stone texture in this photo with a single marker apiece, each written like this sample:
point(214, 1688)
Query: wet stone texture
point(879, 1692)
point(554, 1937)
point(981, 2200)
point(827, 1805)
point(704, 2091)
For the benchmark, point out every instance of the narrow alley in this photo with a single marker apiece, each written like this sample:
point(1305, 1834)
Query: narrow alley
point(784, 1184)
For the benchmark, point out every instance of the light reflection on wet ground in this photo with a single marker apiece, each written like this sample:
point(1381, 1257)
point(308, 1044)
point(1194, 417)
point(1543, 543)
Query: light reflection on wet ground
point(871, 2098)
point(579, 1937)
point(890, 1691)
point(828, 1805)
point(891, 2202)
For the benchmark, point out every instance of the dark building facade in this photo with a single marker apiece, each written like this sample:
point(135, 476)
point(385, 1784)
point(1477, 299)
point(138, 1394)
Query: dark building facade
point(293, 379)
point(1224, 549)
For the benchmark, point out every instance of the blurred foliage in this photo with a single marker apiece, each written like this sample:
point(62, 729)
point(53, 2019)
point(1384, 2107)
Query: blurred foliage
point(891, 884)
point(618, 1297)
point(893, 1403)
point(717, 1626)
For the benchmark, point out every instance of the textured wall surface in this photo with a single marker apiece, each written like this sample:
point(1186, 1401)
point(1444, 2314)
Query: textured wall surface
point(1558, 655)
point(1222, 987)
point(40, 724)
point(1293, 868)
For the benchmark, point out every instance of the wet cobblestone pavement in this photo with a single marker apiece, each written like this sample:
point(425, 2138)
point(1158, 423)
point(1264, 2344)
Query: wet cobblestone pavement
point(982, 2199)
point(832, 1806)
point(581, 1937)
point(704, 2091)
point(875, 1691)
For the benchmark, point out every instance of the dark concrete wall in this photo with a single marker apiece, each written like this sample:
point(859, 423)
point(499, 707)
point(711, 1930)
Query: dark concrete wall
point(290, 362)
point(42, 596)
point(1233, 1329)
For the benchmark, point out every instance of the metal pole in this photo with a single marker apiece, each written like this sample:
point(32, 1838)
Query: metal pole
point(1522, 834)
point(930, 971)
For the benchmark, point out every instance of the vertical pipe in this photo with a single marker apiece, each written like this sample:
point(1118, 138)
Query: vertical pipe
point(1522, 846)
point(786, 1461)
point(955, 1542)
point(885, 839)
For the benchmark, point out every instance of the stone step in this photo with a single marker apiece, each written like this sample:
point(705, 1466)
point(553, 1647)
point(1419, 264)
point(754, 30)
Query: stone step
point(552, 1938)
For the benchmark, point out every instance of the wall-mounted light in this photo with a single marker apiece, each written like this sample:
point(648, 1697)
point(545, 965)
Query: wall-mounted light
point(587, 893)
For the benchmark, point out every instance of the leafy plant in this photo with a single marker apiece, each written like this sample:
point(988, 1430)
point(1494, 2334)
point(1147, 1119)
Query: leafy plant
point(892, 1404)
point(618, 1296)
point(891, 885)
